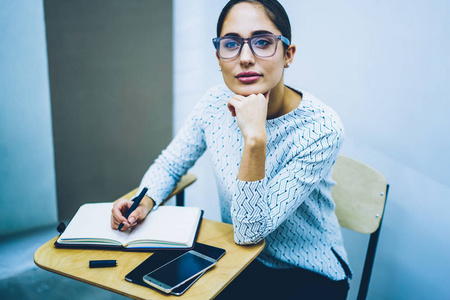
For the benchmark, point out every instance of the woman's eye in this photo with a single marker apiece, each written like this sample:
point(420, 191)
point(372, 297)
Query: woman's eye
point(262, 43)
point(231, 44)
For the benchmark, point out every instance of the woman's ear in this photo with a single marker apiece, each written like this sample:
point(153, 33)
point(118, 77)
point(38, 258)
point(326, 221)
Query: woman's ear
point(289, 55)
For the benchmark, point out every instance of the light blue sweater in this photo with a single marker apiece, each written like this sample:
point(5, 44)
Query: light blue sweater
point(291, 208)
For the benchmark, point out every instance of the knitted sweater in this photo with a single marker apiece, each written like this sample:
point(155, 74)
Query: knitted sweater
point(291, 208)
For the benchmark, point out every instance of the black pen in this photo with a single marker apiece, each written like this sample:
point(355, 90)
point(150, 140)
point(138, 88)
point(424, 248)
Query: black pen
point(136, 200)
point(102, 263)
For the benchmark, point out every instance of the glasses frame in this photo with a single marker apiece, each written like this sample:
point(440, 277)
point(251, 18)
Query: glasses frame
point(242, 41)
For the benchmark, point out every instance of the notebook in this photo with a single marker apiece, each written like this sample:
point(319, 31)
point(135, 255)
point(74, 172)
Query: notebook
point(167, 227)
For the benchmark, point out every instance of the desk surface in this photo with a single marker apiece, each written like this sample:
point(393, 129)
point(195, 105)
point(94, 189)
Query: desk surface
point(75, 264)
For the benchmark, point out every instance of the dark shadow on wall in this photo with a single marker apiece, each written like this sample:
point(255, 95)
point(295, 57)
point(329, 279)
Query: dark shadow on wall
point(110, 66)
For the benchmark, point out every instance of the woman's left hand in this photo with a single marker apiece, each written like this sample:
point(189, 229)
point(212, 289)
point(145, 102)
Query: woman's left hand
point(250, 113)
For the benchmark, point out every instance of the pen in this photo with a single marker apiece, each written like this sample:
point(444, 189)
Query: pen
point(136, 200)
point(102, 263)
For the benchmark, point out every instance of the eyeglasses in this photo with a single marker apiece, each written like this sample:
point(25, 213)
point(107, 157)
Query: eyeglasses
point(262, 45)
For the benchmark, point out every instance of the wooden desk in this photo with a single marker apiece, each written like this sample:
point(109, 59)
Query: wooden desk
point(75, 264)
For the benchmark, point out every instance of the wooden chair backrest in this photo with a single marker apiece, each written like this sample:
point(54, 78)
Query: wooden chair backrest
point(359, 194)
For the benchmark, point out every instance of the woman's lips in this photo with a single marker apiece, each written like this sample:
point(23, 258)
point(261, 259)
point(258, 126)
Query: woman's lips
point(248, 76)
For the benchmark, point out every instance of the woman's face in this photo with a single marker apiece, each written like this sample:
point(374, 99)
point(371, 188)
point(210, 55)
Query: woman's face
point(247, 20)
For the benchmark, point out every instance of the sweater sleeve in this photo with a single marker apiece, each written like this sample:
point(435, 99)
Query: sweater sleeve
point(174, 162)
point(259, 207)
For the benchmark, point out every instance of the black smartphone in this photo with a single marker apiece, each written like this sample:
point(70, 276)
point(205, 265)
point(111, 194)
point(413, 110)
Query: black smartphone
point(162, 257)
point(181, 269)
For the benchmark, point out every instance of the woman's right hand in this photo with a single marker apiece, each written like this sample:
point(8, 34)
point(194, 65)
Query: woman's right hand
point(120, 209)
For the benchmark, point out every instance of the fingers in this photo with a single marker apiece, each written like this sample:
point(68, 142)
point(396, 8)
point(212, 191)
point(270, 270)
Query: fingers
point(231, 108)
point(137, 216)
point(118, 212)
point(251, 104)
point(235, 103)
point(120, 209)
point(251, 114)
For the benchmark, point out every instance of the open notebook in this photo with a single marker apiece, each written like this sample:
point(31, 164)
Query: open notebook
point(173, 227)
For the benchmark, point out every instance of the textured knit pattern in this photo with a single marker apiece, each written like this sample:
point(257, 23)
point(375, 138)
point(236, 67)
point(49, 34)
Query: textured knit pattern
point(291, 208)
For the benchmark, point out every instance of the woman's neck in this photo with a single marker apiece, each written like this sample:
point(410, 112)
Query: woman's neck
point(282, 100)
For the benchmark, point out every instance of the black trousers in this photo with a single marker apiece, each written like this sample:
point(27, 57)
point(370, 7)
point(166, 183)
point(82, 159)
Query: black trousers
point(260, 282)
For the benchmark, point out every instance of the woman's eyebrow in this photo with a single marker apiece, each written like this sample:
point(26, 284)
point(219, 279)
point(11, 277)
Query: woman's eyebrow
point(232, 34)
point(258, 32)
point(261, 32)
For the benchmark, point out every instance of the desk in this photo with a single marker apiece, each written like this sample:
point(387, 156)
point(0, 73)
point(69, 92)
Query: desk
point(75, 264)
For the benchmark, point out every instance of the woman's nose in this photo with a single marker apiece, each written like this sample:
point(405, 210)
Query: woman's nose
point(246, 56)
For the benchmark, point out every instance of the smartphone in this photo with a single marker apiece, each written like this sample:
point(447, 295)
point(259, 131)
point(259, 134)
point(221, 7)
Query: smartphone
point(160, 258)
point(179, 270)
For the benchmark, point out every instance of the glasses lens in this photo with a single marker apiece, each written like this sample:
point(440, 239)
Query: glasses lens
point(261, 45)
point(229, 47)
point(264, 46)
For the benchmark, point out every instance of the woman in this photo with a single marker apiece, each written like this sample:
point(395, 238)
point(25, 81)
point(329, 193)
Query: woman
point(272, 150)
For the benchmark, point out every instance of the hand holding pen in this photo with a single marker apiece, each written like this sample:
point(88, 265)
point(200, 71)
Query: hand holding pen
point(128, 213)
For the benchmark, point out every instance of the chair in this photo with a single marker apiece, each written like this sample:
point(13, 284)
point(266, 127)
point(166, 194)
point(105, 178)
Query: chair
point(178, 192)
point(360, 196)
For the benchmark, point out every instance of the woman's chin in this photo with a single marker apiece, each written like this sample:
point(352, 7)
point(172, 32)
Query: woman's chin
point(246, 90)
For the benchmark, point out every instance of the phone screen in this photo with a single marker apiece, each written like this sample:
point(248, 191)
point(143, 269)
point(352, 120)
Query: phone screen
point(181, 269)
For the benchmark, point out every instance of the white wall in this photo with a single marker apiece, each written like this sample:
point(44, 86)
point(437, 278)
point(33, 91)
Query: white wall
point(195, 70)
point(384, 67)
point(27, 172)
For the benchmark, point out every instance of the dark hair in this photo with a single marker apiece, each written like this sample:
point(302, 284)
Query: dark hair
point(274, 10)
